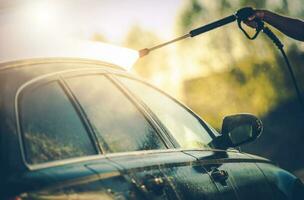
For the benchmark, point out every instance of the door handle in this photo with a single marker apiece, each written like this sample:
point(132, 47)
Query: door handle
point(219, 175)
point(153, 184)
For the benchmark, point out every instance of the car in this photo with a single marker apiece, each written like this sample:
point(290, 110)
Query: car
point(74, 128)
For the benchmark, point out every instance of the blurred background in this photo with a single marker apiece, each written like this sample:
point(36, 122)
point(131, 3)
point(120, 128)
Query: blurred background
point(215, 74)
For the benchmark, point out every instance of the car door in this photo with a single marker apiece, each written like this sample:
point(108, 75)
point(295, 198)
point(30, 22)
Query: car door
point(167, 174)
point(189, 179)
point(235, 175)
point(59, 149)
point(240, 171)
point(122, 130)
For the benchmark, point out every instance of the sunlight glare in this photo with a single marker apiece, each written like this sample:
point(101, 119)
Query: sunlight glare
point(71, 48)
point(42, 13)
point(120, 56)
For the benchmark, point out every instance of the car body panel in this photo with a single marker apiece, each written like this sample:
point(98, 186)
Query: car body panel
point(177, 173)
point(284, 185)
point(75, 181)
point(181, 177)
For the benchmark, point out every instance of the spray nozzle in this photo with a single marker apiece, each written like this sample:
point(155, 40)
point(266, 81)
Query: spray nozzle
point(143, 52)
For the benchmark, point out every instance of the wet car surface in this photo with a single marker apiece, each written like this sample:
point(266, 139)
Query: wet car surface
point(84, 129)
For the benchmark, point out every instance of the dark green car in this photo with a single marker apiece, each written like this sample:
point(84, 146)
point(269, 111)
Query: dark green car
point(84, 129)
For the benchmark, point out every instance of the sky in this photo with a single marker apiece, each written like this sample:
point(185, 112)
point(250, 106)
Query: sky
point(35, 28)
point(83, 18)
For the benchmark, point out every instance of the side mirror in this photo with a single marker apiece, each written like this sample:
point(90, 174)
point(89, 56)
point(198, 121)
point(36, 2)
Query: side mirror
point(238, 129)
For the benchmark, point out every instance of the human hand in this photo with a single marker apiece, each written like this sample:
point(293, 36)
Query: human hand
point(251, 19)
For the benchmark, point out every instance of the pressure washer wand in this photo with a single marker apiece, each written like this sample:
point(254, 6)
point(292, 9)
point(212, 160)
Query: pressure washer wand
point(241, 15)
point(192, 33)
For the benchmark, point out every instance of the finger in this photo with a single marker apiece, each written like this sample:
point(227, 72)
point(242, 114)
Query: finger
point(252, 17)
point(251, 24)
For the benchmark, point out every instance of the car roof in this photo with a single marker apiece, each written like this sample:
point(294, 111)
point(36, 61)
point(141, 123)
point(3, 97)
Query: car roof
point(16, 73)
point(42, 61)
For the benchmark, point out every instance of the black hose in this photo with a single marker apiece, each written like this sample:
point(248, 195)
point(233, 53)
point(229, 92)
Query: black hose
point(280, 46)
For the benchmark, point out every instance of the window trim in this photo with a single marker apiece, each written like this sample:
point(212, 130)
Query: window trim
point(112, 75)
point(82, 116)
point(166, 141)
point(155, 119)
point(141, 107)
point(201, 121)
point(48, 78)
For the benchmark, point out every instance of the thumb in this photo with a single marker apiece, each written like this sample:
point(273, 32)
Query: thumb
point(252, 17)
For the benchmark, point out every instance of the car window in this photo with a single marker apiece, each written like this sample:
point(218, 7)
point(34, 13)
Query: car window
point(119, 125)
point(52, 129)
point(183, 125)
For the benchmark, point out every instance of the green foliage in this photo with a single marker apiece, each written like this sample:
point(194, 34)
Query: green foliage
point(256, 3)
point(191, 13)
